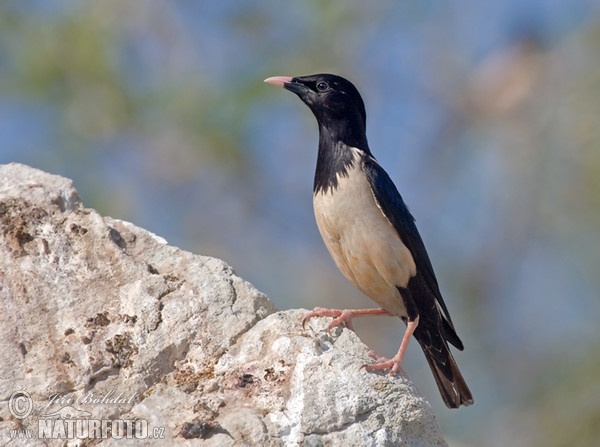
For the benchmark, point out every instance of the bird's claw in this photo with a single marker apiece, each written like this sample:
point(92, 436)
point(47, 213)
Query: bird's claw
point(339, 317)
point(394, 365)
point(375, 356)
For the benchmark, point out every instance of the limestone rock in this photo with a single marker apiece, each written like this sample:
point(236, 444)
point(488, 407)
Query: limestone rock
point(103, 322)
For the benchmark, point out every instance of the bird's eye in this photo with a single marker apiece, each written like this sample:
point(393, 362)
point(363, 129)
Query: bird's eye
point(322, 86)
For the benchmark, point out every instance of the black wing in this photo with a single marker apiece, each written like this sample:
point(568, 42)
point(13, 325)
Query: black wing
point(393, 207)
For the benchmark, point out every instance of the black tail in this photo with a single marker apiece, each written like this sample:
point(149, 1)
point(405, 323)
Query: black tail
point(433, 332)
point(452, 385)
point(434, 342)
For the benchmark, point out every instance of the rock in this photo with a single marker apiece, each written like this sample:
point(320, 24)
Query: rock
point(103, 322)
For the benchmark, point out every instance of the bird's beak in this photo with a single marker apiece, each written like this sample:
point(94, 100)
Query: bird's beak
point(278, 81)
point(287, 83)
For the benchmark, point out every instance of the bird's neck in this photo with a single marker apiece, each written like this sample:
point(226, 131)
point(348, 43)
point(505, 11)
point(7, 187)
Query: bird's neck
point(337, 154)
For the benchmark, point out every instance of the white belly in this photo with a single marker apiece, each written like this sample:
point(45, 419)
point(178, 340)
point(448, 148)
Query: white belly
point(362, 242)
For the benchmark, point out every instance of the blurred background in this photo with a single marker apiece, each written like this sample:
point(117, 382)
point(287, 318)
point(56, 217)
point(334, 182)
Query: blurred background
point(485, 113)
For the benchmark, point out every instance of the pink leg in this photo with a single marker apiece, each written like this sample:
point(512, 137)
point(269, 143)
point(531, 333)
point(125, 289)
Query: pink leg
point(342, 316)
point(396, 363)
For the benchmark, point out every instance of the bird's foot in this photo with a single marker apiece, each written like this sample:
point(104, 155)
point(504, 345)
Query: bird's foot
point(339, 317)
point(375, 356)
point(342, 316)
point(393, 364)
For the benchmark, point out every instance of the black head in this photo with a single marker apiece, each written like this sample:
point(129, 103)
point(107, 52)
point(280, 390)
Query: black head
point(334, 101)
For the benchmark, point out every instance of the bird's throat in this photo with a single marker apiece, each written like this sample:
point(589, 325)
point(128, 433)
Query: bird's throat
point(333, 162)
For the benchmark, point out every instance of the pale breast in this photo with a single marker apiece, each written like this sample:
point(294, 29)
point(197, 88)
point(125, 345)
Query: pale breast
point(363, 243)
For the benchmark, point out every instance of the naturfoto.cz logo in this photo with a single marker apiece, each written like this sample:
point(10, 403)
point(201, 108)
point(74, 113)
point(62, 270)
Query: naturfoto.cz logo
point(70, 422)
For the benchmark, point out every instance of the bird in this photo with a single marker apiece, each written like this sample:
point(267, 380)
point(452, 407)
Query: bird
point(372, 236)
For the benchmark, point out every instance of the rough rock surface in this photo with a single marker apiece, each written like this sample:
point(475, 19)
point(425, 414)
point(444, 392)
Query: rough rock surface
point(102, 320)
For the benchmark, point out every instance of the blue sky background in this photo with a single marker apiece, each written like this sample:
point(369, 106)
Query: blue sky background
point(485, 114)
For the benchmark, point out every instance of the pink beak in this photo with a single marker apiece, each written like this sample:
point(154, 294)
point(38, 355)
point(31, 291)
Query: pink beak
point(278, 81)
